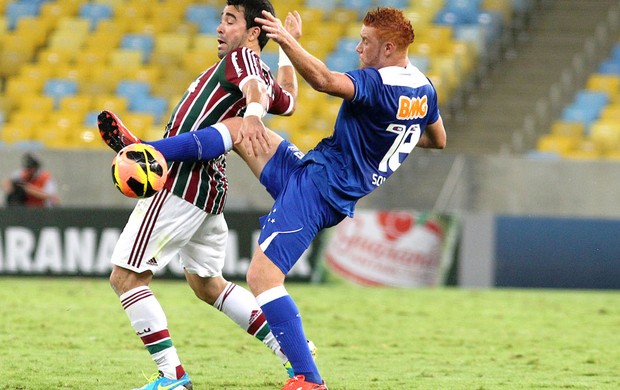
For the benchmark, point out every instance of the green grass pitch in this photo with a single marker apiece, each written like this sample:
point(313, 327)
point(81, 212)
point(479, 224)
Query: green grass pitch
point(72, 334)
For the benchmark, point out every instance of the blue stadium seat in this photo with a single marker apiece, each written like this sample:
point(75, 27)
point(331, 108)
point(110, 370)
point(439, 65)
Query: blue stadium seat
point(362, 6)
point(609, 66)
point(591, 99)
point(402, 4)
point(321, 4)
point(467, 10)
point(94, 12)
point(132, 89)
point(448, 17)
point(17, 10)
point(206, 17)
point(271, 59)
point(197, 13)
point(342, 61)
point(139, 41)
point(154, 105)
point(58, 88)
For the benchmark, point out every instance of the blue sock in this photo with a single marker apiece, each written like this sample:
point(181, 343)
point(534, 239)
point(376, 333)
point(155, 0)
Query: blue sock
point(285, 323)
point(203, 144)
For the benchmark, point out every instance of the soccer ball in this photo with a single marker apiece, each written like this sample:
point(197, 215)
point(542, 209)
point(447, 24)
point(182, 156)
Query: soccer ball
point(139, 171)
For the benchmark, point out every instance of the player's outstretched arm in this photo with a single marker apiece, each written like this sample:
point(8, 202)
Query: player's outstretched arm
point(313, 70)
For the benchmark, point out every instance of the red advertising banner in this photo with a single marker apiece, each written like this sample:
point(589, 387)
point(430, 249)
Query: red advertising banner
point(392, 248)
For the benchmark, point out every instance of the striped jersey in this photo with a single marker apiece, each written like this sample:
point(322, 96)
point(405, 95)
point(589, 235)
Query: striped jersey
point(373, 134)
point(214, 96)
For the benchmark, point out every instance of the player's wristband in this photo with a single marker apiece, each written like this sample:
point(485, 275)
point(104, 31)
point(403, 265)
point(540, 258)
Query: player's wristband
point(283, 59)
point(254, 109)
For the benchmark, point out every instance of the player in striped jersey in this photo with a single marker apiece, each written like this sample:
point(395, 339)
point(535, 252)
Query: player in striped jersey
point(184, 221)
point(388, 108)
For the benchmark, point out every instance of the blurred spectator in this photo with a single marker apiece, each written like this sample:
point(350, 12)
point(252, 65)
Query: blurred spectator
point(31, 186)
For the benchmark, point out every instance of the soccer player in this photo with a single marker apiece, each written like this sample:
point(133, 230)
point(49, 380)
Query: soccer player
point(184, 222)
point(388, 108)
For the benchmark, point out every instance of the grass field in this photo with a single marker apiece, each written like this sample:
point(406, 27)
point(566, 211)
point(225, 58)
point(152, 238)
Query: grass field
point(73, 334)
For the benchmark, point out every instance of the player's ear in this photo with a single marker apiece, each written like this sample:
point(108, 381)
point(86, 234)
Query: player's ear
point(253, 33)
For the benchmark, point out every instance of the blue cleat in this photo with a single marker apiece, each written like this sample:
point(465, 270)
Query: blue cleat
point(159, 382)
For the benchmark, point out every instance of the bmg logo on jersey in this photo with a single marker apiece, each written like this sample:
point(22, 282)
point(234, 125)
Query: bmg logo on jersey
point(412, 108)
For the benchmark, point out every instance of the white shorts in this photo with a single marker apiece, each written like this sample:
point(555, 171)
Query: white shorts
point(165, 228)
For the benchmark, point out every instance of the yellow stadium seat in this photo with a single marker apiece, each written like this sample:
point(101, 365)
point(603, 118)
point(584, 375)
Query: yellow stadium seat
point(607, 83)
point(205, 42)
point(138, 123)
point(570, 129)
point(111, 102)
point(504, 7)
point(36, 72)
point(126, 60)
point(27, 118)
point(19, 86)
point(344, 16)
point(66, 40)
point(99, 40)
point(12, 60)
point(58, 129)
point(92, 57)
point(555, 143)
point(112, 26)
point(172, 43)
point(77, 103)
point(197, 61)
point(11, 133)
point(167, 16)
point(149, 73)
point(53, 57)
point(86, 137)
point(448, 67)
point(78, 73)
point(585, 150)
point(153, 133)
point(52, 12)
point(611, 111)
point(605, 135)
point(36, 102)
point(76, 25)
point(38, 28)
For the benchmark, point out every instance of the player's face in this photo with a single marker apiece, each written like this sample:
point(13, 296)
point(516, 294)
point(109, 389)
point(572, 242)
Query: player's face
point(370, 48)
point(232, 32)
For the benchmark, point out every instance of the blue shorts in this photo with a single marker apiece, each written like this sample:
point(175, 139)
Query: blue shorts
point(299, 211)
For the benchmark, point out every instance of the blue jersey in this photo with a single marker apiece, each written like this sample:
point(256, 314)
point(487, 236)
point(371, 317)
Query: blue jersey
point(373, 134)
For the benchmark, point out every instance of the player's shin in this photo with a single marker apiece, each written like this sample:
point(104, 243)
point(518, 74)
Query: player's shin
point(204, 144)
point(241, 307)
point(285, 322)
point(150, 324)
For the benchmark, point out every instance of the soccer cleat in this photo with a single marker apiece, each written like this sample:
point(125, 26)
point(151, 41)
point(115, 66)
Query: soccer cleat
point(289, 368)
point(113, 131)
point(299, 383)
point(159, 382)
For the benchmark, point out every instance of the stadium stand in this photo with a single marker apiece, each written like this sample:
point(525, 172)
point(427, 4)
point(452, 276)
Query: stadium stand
point(51, 51)
point(589, 126)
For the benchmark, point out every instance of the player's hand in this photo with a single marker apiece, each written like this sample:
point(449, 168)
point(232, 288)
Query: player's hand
point(253, 136)
point(274, 28)
point(292, 24)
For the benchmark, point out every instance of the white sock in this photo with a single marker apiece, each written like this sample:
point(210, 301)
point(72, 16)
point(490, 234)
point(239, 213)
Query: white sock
point(149, 322)
point(240, 305)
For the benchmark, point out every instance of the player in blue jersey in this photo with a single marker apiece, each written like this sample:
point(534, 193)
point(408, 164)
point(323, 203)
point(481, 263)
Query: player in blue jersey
point(388, 108)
